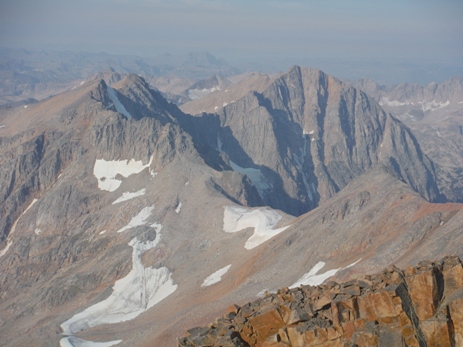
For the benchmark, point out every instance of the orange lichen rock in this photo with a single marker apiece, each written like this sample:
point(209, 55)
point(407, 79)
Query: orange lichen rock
point(421, 306)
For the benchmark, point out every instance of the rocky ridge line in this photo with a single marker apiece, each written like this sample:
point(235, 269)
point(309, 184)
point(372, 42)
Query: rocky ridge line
point(420, 306)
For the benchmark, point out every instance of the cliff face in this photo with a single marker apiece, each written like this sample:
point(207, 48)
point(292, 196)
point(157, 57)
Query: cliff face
point(420, 306)
point(309, 135)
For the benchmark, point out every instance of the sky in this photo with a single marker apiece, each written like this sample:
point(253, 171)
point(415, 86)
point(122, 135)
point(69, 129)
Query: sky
point(342, 34)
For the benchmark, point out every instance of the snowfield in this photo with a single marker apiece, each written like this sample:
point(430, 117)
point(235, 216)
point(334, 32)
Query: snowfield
point(132, 295)
point(216, 276)
point(106, 171)
point(262, 220)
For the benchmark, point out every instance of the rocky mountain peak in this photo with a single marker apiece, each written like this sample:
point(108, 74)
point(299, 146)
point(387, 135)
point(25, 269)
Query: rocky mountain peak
point(310, 134)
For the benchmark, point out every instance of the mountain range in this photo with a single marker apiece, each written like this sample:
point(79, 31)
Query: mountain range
point(126, 220)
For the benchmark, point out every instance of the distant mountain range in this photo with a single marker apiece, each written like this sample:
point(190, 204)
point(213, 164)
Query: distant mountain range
point(37, 74)
point(127, 220)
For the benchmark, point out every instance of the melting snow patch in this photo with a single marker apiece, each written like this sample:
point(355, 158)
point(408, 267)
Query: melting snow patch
point(119, 107)
point(256, 177)
point(127, 196)
point(179, 206)
point(132, 295)
point(262, 220)
point(73, 341)
point(106, 171)
point(139, 219)
point(102, 232)
point(312, 279)
point(216, 276)
point(37, 231)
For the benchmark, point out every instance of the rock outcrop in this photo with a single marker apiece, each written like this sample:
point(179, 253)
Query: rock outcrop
point(420, 306)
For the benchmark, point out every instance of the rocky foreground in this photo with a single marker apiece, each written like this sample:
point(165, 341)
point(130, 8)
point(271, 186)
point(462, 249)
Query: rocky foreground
point(420, 306)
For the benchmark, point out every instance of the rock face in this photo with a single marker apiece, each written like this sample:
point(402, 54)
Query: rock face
point(309, 134)
point(420, 306)
point(434, 113)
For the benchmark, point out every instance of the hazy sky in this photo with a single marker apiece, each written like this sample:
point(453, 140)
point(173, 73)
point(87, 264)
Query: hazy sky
point(268, 31)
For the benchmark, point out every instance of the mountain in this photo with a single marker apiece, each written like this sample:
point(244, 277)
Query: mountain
point(211, 102)
point(308, 134)
point(125, 221)
point(38, 74)
point(434, 113)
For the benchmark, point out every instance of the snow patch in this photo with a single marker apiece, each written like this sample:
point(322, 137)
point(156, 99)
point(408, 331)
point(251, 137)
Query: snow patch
point(73, 341)
point(82, 82)
point(432, 106)
point(216, 276)
point(127, 196)
point(387, 102)
point(132, 295)
point(261, 294)
point(187, 183)
point(106, 171)
point(7, 247)
point(37, 231)
point(13, 228)
point(139, 219)
point(119, 107)
point(195, 94)
point(312, 279)
point(179, 206)
point(311, 132)
point(225, 104)
point(262, 220)
point(256, 177)
point(102, 232)
point(2, 126)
